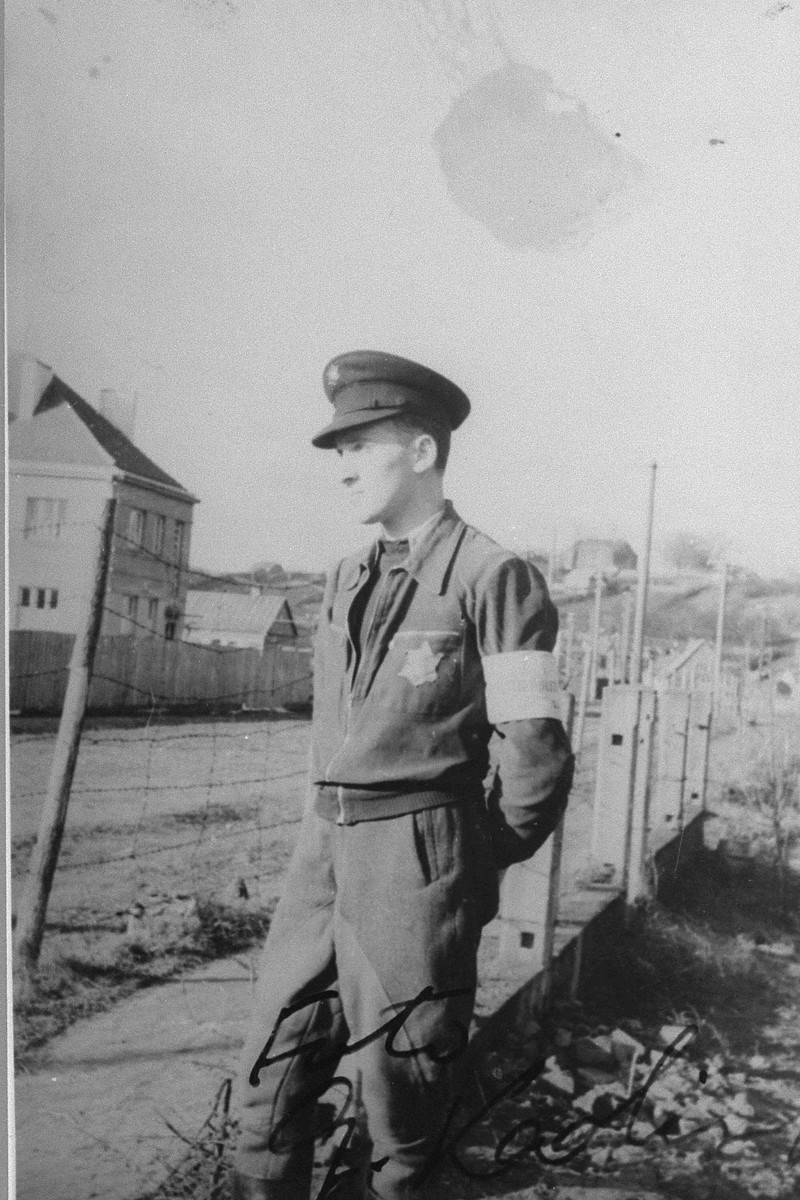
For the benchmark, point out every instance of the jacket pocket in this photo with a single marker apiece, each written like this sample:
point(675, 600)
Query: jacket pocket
point(422, 671)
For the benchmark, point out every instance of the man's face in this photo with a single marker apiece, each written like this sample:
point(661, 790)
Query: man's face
point(377, 470)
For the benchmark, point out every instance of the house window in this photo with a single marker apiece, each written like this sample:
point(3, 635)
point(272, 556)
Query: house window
point(152, 613)
point(170, 623)
point(25, 597)
point(132, 609)
point(44, 516)
point(159, 530)
point(177, 541)
point(136, 526)
point(41, 596)
point(54, 597)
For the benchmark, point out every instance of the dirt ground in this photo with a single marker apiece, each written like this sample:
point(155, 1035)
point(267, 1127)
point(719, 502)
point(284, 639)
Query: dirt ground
point(187, 806)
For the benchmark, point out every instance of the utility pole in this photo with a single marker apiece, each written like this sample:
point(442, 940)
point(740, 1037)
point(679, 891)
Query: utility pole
point(551, 562)
point(713, 698)
point(33, 903)
point(623, 669)
point(723, 587)
point(598, 593)
point(568, 645)
point(644, 579)
point(583, 701)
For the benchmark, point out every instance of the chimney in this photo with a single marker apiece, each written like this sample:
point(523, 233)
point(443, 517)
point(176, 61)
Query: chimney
point(27, 380)
point(119, 410)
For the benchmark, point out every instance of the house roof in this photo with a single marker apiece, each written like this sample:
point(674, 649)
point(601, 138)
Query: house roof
point(674, 663)
point(127, 457)
point(57, 437)
point(227, 612)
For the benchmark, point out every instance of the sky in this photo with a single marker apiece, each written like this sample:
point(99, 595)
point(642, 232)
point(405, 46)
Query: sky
point(582, 211)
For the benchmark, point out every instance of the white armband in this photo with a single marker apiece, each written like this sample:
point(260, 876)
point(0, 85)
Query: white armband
point(521, 684)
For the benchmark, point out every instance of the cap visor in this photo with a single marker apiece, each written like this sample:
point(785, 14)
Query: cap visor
point(326, 438)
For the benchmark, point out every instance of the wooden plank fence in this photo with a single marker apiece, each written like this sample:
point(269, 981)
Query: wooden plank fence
point(141, 672)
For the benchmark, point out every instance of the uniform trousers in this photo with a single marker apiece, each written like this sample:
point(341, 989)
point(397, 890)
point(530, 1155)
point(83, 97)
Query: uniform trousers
point(371, 914)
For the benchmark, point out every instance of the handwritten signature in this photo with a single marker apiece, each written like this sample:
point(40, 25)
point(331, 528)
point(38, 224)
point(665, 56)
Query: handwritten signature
point(553, 1138)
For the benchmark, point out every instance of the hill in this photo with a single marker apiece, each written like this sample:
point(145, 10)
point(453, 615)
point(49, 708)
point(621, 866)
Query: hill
point(685, 606)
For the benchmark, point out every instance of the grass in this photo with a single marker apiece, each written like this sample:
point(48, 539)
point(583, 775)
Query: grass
point(694, 956)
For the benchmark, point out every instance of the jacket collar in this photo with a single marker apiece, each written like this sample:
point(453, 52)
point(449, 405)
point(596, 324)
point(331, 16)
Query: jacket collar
point(429, 560)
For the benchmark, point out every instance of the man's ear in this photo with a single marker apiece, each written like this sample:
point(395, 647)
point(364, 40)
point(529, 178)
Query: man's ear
point(425, 452)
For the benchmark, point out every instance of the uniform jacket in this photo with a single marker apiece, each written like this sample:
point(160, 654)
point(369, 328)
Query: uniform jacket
point(406, 727)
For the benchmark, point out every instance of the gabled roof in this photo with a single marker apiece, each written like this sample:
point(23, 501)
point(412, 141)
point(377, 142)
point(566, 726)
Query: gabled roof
point(670, 665)
point(127, 457)
point(57, 437)
point(229, 613)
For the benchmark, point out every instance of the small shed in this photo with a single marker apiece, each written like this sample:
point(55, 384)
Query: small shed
point(689, 669)
point(230, 619)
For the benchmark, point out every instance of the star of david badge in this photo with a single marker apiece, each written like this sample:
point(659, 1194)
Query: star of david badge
point(420, 665)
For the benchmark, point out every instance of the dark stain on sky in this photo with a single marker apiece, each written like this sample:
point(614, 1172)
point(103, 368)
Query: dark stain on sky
point(49, 16)
point(526, 161)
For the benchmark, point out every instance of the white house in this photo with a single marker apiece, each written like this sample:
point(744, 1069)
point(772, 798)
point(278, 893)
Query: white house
point(66, 459)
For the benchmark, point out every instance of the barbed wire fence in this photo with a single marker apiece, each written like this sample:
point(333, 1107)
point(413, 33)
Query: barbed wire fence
point(165, 813)
point(199, 801)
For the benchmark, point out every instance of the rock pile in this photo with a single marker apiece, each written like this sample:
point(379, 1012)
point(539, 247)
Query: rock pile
point(618, 1100)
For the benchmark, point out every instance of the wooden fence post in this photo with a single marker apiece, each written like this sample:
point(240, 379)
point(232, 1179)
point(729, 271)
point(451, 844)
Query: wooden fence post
point(33, 903)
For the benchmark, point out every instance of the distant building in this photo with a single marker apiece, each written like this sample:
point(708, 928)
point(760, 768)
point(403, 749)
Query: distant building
point(607, 555)
point(688, 669)
point(231, 619)
point(66, 459)
point(591, 557)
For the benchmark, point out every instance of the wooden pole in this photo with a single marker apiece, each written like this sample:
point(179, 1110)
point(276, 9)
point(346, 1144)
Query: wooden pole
point(568, 646)
point(598, 595)
point(583, 700)
point(33, 903)
point(712, 700)
point(644, 579)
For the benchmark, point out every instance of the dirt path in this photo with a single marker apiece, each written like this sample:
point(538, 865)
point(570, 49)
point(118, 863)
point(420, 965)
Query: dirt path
point(106, 1115)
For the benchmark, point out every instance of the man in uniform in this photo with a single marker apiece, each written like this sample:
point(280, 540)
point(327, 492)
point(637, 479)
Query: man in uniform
point(429, 641)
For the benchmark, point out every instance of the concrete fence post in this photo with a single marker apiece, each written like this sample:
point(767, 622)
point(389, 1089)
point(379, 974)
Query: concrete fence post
point(616, 760)
point(637, 874)
point(529, 896)
point(667, 806)
point(697, 750)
